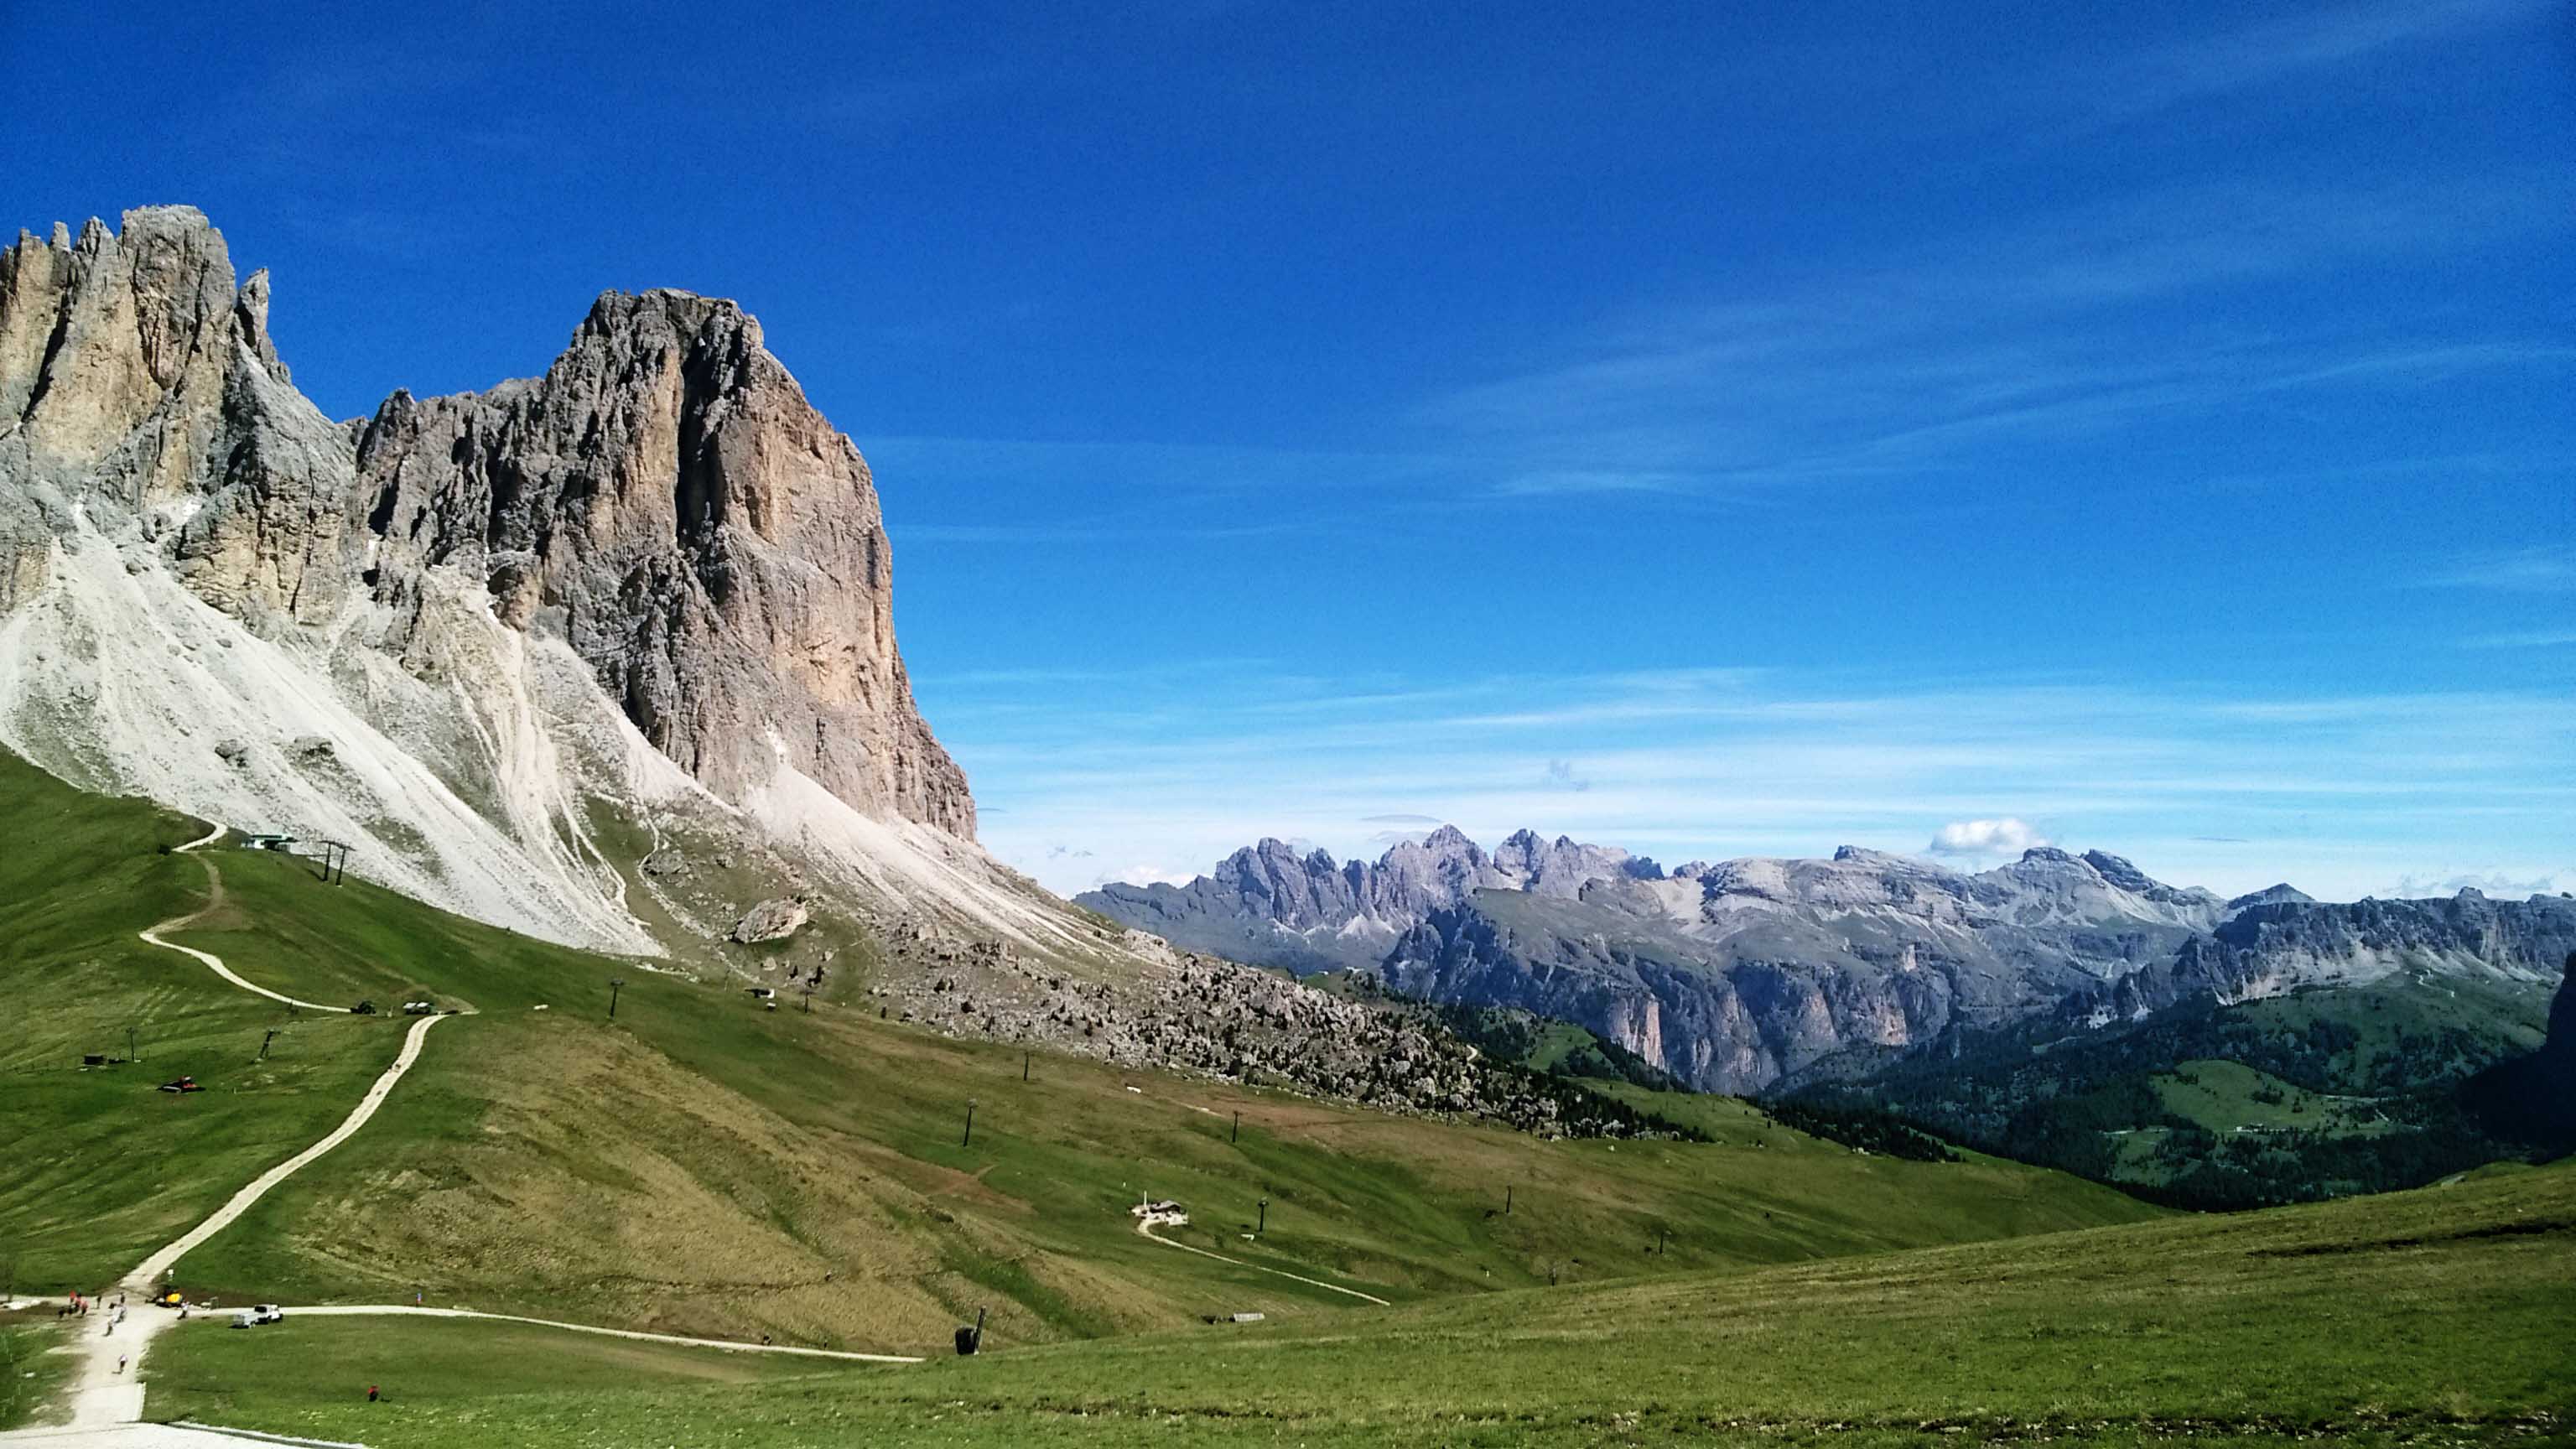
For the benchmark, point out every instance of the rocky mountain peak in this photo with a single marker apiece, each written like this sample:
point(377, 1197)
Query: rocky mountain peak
point(668, 500)
point(2283, 894)
point(663, 510)
point(2119, 872)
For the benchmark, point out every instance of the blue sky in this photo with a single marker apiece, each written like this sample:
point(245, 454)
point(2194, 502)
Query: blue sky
point(1715, 430)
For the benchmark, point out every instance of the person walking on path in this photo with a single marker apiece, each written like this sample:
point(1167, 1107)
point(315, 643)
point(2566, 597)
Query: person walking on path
point(120, 1363)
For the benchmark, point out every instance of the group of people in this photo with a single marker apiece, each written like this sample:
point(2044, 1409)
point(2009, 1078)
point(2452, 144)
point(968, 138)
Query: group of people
point(78, 1307)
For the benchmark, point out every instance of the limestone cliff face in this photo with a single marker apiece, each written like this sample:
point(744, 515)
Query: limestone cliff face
point(667, 500)
point(138, 384)
point(664, 500)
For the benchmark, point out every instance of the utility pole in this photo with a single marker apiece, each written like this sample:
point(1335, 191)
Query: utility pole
point(1507, 1199)
point(1024, 1064)
point(1265, 1217)
point(264, 1041)
point(1237, 1134)
point(969, 1139)
point(809, 999)
point(614, 983)
point(1660, 1235)
point(130, 1054)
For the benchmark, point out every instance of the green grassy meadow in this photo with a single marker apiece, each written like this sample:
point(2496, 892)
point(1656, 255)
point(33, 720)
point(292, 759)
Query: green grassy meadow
point(30, 1372)
point(2435, 1316)
point(102, 1166)
point(703, 1166)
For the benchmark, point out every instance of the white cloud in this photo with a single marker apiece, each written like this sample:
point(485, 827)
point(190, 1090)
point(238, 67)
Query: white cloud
point(1143, 875)
point(2503, 885)
point(2006, 836)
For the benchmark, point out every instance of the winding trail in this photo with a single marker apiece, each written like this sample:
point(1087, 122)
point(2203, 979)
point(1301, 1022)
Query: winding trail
point(105, 1394)
point(1145, 1230)
point(106, 1389)
point(214, 902)
point(405, 1310)
point(107, 1383)
point(162, 1262)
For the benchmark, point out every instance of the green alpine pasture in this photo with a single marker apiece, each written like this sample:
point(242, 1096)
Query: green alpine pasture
point(705, 1166)
point(103, 1166)
point(2437, 1316)
point(30, 1372)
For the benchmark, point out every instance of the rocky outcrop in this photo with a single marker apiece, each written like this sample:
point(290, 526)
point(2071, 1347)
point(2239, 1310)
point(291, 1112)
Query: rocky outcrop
point(2271, 895)
point(663, 500)
point(771, 920)
point(667, 500)
point(1216, 1018)
point(138, 386)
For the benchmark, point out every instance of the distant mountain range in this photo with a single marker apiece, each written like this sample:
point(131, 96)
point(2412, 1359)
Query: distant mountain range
point(1736, 975)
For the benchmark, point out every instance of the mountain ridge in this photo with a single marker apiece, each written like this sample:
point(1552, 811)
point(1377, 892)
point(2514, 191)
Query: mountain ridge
point(1735, 974)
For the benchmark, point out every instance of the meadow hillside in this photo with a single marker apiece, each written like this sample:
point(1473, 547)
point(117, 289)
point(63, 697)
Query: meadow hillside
point(2429, 1317)
point(703, 1164)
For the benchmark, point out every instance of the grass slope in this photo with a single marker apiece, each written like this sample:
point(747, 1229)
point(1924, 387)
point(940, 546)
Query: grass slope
point(2323, 1092)
point(704, 1166)
point(2432, 1316)
point(213, 1374)
point(102, 1167)
point(30, 1372)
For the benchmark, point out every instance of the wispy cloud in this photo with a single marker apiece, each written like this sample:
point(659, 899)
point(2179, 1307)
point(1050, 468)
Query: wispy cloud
point(2263, 55)
point(2337, 793)
point(2498, 883)
point(2527, 639)
point(2060, 327)
point(2543, 569)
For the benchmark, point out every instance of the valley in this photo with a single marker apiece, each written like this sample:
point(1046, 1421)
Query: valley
point(2047, 1009)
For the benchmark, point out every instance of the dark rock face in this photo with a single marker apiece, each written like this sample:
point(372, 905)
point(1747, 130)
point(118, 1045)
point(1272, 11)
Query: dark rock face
point(1735, 974)
point(2533, 1100)
point(2561, 1051)
point(665, 498)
